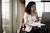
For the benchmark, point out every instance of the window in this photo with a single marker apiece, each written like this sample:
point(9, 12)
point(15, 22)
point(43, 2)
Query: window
point(5, 15)
point(5, 9)
point(47, 6)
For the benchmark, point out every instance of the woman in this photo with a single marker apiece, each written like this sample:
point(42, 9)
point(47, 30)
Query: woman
point(30, 16)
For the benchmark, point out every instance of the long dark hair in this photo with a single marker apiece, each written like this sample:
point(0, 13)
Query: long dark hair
point(28, 7)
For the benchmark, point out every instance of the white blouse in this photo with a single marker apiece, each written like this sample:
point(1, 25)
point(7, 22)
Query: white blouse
point(30, 20)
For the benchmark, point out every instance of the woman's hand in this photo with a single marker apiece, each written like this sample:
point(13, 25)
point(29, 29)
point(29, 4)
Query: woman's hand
point(36, 20)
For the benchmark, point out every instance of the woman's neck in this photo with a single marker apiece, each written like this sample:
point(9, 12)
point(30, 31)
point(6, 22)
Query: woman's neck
point(32, 13)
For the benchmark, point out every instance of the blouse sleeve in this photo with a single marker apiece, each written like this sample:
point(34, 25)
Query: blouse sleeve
point(25, 18)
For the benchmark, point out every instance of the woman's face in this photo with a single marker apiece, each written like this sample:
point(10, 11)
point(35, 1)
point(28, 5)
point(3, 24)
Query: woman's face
point(33, 8)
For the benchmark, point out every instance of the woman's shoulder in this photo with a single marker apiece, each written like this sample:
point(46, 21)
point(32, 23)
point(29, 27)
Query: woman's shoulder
point(25, 13)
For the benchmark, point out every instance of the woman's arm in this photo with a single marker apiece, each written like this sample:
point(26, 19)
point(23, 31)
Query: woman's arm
point(25, 18)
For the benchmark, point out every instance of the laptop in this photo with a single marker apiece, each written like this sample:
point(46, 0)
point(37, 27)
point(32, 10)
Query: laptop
point(46, 20)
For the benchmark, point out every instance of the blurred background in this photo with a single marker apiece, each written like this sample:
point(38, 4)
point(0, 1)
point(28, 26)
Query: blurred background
point(12, 12)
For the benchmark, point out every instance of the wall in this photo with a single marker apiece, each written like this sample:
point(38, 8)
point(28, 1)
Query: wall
point(20, 14)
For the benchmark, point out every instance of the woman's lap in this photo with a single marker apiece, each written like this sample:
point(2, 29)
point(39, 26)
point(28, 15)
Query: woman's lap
point(34, 30)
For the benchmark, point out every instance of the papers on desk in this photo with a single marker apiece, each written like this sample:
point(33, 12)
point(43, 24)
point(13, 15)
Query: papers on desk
point(38, 24)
